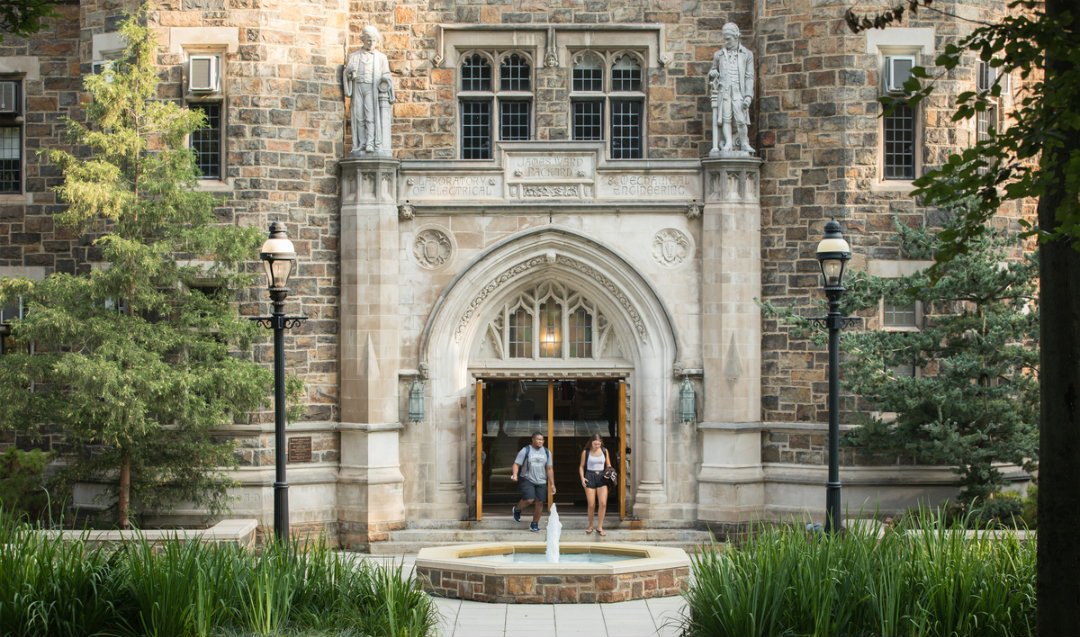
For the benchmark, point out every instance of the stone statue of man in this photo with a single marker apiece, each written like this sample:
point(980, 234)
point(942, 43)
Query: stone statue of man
point(367, 80)
point(732, 82)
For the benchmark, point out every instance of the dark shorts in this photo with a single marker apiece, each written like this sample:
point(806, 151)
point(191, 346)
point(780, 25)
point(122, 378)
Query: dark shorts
point(531, 491)
point(594, 479)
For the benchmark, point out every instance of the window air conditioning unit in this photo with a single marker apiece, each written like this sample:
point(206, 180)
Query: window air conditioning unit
point(897, 71)
point(203, 74)
point(9, 97)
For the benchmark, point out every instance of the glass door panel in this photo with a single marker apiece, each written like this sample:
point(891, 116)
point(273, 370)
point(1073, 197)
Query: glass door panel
point(567, 412)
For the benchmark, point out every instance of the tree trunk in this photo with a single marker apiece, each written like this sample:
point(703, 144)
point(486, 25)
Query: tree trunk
point(123, 492)
point(1058, 587)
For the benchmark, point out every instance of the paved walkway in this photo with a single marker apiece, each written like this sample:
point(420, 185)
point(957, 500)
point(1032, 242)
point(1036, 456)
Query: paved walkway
point(640, 618)
point(658, 617)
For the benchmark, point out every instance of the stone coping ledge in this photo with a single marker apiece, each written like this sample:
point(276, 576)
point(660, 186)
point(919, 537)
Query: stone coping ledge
point(239, 532)
point(647, 557)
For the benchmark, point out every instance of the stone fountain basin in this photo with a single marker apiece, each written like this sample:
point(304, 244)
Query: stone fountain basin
point(648, 571)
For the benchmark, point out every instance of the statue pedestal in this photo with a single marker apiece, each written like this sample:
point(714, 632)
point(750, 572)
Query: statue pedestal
point(370, 493)
point(731, 481)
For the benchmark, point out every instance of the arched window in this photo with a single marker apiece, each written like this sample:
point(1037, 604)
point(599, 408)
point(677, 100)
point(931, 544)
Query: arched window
point(538, 325)
point(475, 73)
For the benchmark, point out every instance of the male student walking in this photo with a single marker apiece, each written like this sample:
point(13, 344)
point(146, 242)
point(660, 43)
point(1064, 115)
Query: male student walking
point(533, 466)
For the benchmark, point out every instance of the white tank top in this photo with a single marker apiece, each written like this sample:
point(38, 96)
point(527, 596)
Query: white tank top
point(594, 463)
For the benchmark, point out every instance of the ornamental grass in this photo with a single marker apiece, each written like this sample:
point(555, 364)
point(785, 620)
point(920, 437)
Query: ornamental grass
point(926, 578)
point(183, 588)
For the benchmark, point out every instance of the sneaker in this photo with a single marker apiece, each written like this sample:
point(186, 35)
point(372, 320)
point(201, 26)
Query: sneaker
point(517, 514)
point(534, 527)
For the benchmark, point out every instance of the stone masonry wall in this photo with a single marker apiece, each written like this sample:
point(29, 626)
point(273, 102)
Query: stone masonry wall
point(284, 136)
point(425, 121)
point(820, 134)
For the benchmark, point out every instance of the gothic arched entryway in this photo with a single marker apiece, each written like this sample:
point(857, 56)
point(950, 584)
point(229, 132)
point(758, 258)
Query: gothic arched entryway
point(490, 323)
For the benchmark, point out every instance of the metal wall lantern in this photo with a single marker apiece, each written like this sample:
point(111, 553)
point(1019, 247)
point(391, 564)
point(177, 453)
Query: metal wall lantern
point(416, 401)
point(687, 401)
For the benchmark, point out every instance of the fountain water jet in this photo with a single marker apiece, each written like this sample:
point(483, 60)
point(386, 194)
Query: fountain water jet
point(554, 532)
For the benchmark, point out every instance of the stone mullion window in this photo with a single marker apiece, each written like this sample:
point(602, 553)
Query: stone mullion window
point(539, 325)
point(495, 98)
point(610, 90)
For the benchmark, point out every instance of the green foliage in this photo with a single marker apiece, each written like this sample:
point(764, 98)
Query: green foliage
point(178, 587)
point(975, 402)
point(134, 363)
point(926, 579)
point(23, 17)
point(22, 483)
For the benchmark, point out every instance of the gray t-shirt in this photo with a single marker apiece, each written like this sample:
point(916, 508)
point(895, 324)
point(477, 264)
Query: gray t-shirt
point(539, 460)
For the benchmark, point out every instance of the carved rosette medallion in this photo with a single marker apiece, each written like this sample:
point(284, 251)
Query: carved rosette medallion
point(671, 247)
point(432, 248)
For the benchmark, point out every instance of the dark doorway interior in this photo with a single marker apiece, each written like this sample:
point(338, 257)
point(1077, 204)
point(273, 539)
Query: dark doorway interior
point(515, 409)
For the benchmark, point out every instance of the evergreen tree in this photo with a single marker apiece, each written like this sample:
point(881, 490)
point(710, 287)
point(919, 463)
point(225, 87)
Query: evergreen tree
point(136, 362)
point(975, 402)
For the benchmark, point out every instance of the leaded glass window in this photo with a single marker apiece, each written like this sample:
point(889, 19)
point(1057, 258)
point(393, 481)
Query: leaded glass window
point(494, 105)
point(607, 101)
point(10, 159)
point(206, 141)
point(520, 333)
point(899, 130)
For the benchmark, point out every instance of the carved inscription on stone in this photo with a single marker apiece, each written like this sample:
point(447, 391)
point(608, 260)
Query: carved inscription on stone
point(556, 176)
point(651, 187)
point(432, 248)
point(670, 247)
point(460, 187)
point(550, 167)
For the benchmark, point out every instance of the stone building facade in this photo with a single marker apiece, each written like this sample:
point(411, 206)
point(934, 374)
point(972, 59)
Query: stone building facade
point(557, 232)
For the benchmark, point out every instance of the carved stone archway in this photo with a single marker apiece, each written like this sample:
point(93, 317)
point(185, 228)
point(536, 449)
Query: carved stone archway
point(464, 309)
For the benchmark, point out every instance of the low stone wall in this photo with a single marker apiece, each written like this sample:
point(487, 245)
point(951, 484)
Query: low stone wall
point(654, 572)
point(239, 532)
point(555, 589)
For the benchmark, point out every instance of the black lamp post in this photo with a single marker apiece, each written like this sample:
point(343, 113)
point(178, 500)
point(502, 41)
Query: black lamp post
point(279, 257)
point(833, 254)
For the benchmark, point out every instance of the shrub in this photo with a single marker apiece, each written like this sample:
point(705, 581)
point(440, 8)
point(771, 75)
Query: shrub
point(920, 579)
point(65, 587)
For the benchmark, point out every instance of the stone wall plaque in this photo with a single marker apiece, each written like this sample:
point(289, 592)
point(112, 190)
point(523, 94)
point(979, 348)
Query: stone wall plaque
point(300, 449)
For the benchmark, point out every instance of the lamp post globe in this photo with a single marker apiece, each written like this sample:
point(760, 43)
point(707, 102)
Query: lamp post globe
point(833, 253)
point(278, 256)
